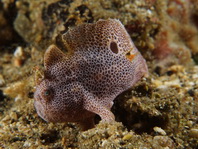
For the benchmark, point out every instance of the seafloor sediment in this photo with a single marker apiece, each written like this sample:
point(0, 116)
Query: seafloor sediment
point(161, 111)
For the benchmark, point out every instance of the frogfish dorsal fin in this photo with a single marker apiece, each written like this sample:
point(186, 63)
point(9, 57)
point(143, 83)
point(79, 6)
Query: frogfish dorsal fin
point(52, 56)
point(99, 35)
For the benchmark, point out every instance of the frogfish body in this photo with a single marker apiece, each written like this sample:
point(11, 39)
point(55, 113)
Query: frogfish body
point(101, 63)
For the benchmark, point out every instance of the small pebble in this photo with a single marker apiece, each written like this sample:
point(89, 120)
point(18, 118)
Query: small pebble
point(19, 57)
point(13, 115)
point(190, 123)
point(159, 130)
point(127, 137)
point(18, 52)
point(162, 142)
point(2, 81)
point(27, 144)
point(18, 62)
point(19, 97)
point(193, 133)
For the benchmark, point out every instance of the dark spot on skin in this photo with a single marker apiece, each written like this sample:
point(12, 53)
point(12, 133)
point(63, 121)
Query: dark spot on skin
point(114, 47)
point(128, 54)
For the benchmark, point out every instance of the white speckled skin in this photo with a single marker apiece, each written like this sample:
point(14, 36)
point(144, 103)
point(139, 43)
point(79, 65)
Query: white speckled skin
point(101, 63)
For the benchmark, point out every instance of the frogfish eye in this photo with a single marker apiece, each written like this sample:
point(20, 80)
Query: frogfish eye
point(48, 94)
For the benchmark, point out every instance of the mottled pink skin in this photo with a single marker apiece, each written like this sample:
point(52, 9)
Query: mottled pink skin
point(102, 62)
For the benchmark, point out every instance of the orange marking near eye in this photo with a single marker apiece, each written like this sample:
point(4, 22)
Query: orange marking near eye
point(130, 57)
